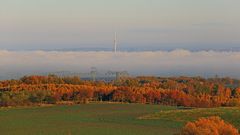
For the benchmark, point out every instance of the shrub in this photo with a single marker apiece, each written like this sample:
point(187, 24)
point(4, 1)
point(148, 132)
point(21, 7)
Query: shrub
point(209, 126)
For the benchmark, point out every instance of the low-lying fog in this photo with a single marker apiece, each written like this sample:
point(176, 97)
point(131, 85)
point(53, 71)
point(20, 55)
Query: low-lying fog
point(164, 63)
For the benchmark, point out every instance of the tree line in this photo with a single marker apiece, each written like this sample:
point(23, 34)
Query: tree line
point(176, 91)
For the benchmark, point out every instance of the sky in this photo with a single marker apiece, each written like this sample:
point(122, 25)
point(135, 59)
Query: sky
point(33, 34)
point(163, 24)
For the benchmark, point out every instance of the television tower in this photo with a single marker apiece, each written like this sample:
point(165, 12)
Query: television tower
point(115, 43)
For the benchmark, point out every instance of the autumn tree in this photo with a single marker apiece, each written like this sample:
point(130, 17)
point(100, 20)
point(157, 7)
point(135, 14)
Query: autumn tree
point(209, 126)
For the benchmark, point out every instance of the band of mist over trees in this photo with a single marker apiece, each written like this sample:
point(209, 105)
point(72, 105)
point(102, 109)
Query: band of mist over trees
point(175, 91)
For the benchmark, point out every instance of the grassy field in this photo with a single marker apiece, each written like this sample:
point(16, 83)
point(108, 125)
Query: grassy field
point(105, 119)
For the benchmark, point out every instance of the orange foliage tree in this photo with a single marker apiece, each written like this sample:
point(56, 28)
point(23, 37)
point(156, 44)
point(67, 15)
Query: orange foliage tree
point(209, 126)
point(176, 91)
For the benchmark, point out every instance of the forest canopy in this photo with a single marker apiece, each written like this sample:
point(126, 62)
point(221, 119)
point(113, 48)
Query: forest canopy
point(175, 91)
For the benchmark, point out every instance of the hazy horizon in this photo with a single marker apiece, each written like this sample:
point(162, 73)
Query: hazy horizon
point(155, 37)
point(158, 63)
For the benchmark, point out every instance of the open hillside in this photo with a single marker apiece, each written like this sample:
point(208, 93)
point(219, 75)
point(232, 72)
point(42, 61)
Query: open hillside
point(106, 119)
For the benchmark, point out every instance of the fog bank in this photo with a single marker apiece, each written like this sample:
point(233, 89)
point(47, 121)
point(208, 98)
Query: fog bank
point(164, 63)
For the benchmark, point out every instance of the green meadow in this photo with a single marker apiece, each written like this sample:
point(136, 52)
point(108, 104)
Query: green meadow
point(105, 119)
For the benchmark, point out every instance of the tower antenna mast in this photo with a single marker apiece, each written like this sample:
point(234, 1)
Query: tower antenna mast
point(115, 43)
